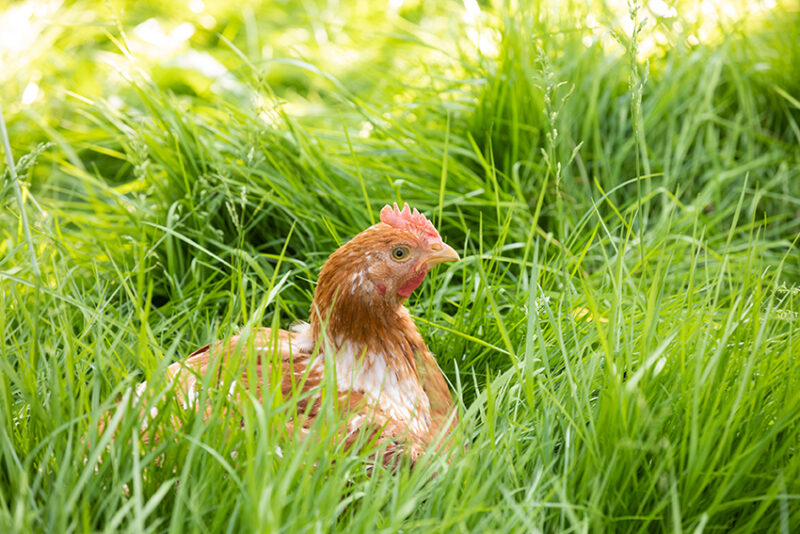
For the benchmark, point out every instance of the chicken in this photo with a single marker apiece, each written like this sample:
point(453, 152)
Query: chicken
point(388, 383)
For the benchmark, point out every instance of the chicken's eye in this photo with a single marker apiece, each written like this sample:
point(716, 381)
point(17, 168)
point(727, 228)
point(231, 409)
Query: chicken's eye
point(400, 253)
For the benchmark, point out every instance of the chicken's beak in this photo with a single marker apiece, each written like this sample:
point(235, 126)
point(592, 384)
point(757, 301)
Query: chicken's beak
point(440, 253)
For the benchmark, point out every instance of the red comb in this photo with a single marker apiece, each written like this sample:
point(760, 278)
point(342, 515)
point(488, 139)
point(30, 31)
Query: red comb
point(408, 221)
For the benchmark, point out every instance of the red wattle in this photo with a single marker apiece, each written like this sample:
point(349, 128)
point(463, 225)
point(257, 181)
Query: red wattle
point(412, 284)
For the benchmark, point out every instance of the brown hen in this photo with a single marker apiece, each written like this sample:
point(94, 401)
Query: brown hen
point(389, 385)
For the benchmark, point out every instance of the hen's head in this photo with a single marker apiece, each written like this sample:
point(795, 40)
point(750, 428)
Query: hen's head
point(398, 253)
point(380, 267)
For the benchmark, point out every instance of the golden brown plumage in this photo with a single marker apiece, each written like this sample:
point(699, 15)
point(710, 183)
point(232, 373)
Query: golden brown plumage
point(388, 383)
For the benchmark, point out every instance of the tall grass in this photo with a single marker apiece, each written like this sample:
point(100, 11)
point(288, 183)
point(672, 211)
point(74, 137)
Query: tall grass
point(621, 335)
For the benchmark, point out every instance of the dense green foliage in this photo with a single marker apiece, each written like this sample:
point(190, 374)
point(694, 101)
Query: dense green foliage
point(623, 185)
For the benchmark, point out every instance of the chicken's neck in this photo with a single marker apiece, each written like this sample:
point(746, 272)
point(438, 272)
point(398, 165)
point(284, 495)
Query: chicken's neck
point(375, 329)
point(374, 342)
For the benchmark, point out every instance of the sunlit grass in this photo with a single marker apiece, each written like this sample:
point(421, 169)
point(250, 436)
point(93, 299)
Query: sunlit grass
point(621, 334)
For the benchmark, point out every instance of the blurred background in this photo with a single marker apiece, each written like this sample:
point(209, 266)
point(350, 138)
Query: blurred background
point(690, 95)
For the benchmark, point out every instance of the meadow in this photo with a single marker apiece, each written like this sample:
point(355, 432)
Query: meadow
point(622, 182)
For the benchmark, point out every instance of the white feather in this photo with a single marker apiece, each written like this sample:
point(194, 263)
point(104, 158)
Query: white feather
point(359, 281)
point(302, 342)
point(191, 398)
point(368, 373)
